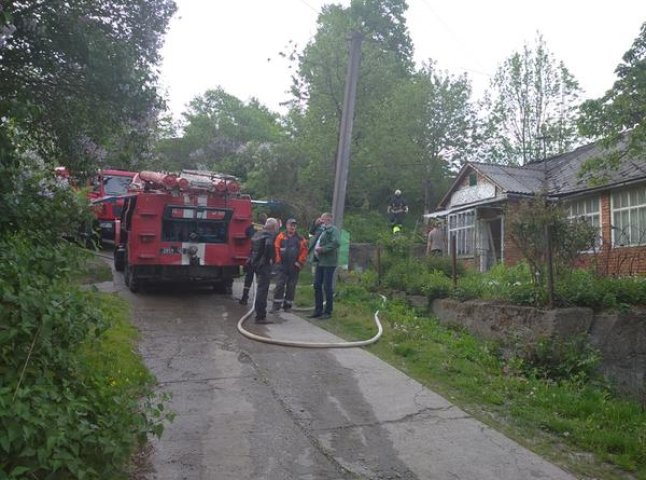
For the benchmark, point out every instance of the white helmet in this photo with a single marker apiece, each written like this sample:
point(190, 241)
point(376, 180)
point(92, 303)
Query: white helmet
point(398, 192)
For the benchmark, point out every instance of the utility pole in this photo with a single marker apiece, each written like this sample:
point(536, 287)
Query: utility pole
point(345, 134)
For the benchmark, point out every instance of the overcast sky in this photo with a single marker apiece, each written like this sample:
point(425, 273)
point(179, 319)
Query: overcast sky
point(235, 43)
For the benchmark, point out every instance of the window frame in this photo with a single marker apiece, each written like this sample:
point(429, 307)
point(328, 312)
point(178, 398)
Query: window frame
point(587, 215)
point(630, 210)
point(463, 225)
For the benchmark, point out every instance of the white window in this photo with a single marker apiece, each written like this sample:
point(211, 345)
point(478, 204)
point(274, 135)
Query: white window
point(587, 209)
point(629, 217)
point(462, 225)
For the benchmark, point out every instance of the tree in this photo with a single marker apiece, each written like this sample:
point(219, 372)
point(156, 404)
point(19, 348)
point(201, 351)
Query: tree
point(221, 133)
point(621, 109)
point(422, 131)
point(527, 222)
point(77, 78)
point(532, 99)
point(386, 59)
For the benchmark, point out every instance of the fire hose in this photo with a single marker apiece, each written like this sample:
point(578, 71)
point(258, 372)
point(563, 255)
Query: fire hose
point(291, 343)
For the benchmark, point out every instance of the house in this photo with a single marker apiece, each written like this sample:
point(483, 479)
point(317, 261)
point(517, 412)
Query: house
point(474, 207)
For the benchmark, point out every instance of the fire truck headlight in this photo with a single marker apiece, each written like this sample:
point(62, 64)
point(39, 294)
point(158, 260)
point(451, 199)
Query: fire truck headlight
point(192, 250)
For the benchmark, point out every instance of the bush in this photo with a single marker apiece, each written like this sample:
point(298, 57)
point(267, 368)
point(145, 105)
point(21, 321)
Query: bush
point(505, 284)
point(585, 288)
point(41, 207)
point(626, 290)
point(469, 287)
point(579, 287)
point(61, 417)
point(572, 359)
point(364, 225)
point(443, 264)
point(437, 285)
point(408, 276)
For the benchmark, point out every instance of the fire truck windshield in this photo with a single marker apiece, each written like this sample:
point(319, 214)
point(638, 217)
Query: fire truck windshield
point(116, 185)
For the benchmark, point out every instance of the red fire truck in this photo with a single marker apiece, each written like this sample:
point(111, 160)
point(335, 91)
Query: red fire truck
point(187, 227)
point(108, 189)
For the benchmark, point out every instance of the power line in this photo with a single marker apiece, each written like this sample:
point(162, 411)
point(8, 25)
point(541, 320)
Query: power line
point(309, 6)
point(457, 37)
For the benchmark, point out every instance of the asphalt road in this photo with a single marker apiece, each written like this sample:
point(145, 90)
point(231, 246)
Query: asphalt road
point(248, 410)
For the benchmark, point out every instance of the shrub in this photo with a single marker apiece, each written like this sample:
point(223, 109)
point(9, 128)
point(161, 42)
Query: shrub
point(469, 287)
point(626, 290)
point(362, 226)
point(408, 276)
point(572, 359)
point(444, 265)
point(578, 287)
point(40, 206)
point(59, 417)
point(505, 284)
point(437, 285)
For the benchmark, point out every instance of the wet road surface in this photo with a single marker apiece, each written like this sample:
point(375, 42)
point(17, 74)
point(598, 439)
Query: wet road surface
point(248, 410)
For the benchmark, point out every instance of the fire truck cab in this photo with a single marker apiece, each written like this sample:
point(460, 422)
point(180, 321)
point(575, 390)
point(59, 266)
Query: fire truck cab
point(106, 196)
point(187, 227)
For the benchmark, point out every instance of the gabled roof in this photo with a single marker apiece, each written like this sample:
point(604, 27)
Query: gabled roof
point(563, 170)
point(558, 174)
point(513, 179)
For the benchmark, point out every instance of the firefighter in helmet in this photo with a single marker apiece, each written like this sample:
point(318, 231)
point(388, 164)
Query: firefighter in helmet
point(397, 209)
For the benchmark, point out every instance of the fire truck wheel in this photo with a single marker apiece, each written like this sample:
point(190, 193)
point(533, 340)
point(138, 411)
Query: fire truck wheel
point(134, 284)
point(130, 280)
point(119, 260)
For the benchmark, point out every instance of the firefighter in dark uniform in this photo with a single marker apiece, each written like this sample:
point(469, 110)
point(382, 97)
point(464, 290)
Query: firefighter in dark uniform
point(397, 208)
point(248, 269)
point(291, 255)
point(262, 259)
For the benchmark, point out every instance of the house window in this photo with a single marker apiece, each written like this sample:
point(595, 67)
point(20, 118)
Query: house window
point(629, 217)
point(473, 180)
point(462, 225)
point(587, 209)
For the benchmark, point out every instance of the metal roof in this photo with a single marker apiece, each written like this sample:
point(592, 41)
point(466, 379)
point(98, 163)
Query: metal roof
point(561, 173)
point(512, 179)
point(558, 175)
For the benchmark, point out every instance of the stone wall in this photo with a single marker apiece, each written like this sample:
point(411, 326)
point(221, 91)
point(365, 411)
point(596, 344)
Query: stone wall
point(620, 337)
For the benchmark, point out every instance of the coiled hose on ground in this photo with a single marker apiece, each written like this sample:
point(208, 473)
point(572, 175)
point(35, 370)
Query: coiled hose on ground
point(291, 343)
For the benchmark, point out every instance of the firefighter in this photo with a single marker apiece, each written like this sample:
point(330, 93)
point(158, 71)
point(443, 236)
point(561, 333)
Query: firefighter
point(248, 269)
point(291, 255)
point(262, 259)
point(397, 208)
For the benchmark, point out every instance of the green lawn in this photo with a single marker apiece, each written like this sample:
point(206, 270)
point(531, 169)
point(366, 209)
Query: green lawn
point(575, 423)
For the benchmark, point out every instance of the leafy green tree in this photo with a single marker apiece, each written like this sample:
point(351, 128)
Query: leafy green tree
point(422, 130)
point(622, 108)
point(222, 133)
point(77, 78)
point(386, 59)
point(533, 98)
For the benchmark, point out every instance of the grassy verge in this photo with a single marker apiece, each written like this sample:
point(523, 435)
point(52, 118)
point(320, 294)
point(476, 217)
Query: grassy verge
point(577, 424)
point(94, 270)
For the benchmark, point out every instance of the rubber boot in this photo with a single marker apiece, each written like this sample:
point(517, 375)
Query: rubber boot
point(245, 296)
